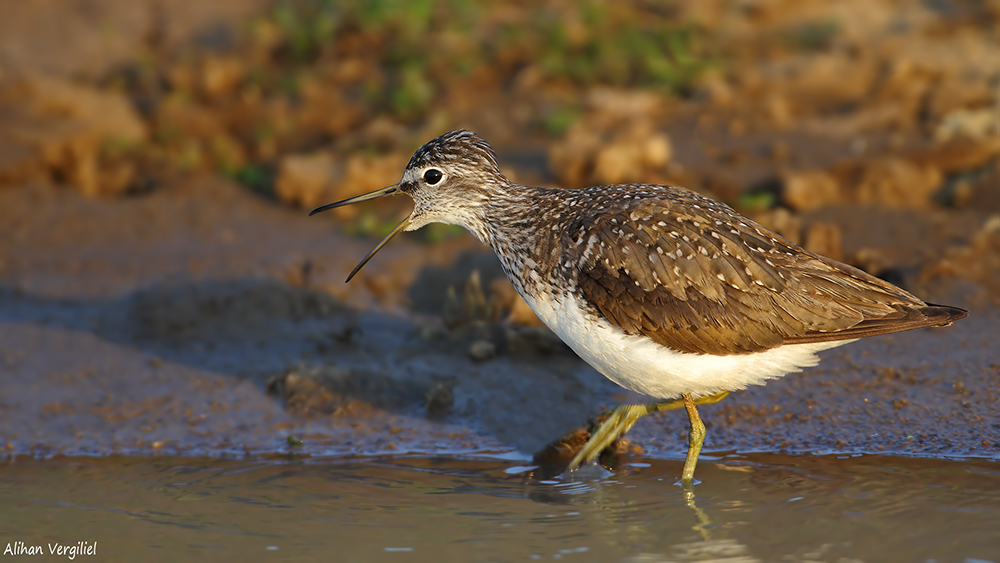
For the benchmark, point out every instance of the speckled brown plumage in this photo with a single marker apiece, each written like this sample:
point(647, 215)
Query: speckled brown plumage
point(691, 274)
point(664, 291)
point(658, 261)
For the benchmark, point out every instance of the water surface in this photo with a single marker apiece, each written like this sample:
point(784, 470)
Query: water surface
point(746, 508)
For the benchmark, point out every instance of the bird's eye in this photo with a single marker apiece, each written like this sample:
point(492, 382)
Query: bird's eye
point(433, 176)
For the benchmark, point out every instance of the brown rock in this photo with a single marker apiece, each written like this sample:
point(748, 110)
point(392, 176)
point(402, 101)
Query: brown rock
point(57, 128)
point(983, 194)
point(959, 154)
point(825, 80)
point(783, 222)
point(303, 396)
point(974, 124)
point(778, 110)
point(306, 180)
point(978, 261)
point(825, 239)
point(180, 118)
point(896, 182)
point(616, 105)
point(716, 183)
point(325, 109)
point(506, 298)
point(572, 158)
point(873, 260)
point(625, 153)
point(309, 180)
point(20, 161)
point(365, 172)
point(614, 142)
point(903, 82)
point(713, 88)
point(958, 91)
point(809, 189)
point(221, 76)
point(106, 115)
point(440, 400)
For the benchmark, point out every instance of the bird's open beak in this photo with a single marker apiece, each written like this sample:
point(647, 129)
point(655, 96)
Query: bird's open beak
point(383, 192)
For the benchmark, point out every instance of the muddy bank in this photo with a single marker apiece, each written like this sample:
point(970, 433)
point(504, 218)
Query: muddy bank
point(205, 321)
point(162, 290)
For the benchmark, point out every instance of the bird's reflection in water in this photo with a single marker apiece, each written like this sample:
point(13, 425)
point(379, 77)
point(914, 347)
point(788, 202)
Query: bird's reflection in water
point(679, 534)
point(704, 524)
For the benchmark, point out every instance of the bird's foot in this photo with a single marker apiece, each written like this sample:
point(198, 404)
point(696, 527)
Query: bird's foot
point(617, 423)
point(621, 420)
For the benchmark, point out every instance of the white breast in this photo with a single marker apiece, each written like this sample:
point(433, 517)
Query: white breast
point(639, 364)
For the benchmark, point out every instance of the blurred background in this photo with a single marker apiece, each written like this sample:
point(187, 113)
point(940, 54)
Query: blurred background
point(163, 294)
point(157, 160)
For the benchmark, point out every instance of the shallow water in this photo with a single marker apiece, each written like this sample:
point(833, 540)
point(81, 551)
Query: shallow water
point(746, 508)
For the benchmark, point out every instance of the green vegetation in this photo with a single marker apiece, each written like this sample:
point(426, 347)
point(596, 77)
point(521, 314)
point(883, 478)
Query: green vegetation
point(259, 179)
point(305, 29)
point(615, 46)
point(439, 232)
point(557, 121)
point(412, 52)
point(755, 201)
point(313, 73)
point(814, 36)
point(423, 46)
point(369, 224)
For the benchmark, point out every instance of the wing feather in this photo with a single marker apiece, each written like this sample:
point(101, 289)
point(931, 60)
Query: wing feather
point(691, 274)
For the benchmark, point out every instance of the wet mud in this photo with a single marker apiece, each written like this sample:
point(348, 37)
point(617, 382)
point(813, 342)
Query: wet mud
point(205, 333)
point(184, 373)
point(183, 370)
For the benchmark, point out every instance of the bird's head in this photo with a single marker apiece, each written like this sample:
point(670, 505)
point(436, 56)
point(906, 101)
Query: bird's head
point(449, 179)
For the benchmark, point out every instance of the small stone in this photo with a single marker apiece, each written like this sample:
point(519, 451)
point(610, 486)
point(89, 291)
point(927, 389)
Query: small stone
point(440, 401)
point(809, 189)
point(778, 110)
point(305, 179)
point(959, 154)
point(613, 144)
point(779, 151)
point(897, 182)
point(969, 124)
point(221, 76)
point(825, 239)
point(482, 350)
point(957, 92)
point(714, 89)
point(783, 222)
point(503, 294)
point(657, 151)
point(433, 330)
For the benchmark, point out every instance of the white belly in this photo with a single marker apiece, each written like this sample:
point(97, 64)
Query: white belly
point(639, 364)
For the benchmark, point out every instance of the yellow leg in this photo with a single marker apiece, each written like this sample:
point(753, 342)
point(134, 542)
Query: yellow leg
point(625, 416)
point(620, 421)
point(696, 437)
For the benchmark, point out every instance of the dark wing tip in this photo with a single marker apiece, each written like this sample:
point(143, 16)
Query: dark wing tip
point(943, 315)
point(909, 318)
